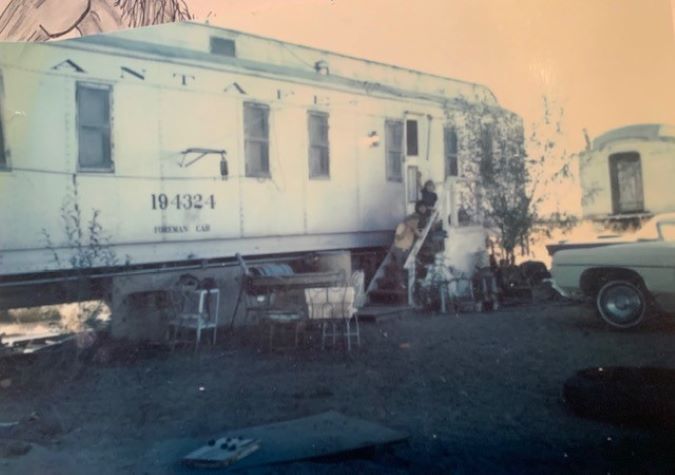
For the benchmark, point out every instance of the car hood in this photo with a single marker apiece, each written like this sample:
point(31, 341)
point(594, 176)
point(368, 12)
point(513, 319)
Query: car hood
point(659, 253)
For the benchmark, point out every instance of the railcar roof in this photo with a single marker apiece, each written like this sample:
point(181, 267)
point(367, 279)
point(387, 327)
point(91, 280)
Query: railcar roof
point(637, 131)
point(191, 41)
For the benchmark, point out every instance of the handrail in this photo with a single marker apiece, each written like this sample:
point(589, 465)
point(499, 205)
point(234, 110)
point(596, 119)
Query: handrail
point(380, 270)
point(409, 264)
point(419, 242)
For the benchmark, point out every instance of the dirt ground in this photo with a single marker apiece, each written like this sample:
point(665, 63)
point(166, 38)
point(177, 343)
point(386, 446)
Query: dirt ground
point(477, 393)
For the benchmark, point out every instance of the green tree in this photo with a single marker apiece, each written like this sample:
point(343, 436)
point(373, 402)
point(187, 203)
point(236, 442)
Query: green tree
point(508, 175)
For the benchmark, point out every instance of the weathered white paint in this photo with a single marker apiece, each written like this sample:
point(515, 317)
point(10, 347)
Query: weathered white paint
point(169, 94)
point(657, 157)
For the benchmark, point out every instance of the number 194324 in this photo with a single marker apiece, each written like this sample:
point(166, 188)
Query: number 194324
point(183, 201)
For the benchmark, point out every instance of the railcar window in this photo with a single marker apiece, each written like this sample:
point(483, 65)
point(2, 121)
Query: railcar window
point(487, 150)
point(394, 149)
point(93, 121)
point(413, 184)
point(626, 179)
point(3, 159)
point(451, 150)
point(3, 155)
point(411, 137)
point(256, 132)
point(222, 47)
point(319, 148)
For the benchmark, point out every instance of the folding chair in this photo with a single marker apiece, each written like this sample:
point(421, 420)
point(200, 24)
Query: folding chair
point(195, 309)
point(284, 322)
point(461, 293)
point(334, 306)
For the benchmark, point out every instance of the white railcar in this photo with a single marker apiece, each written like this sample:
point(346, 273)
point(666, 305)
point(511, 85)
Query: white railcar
point(191, 143)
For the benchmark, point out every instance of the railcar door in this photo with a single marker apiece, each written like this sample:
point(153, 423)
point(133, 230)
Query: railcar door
point(626, 179)
point(411, 153)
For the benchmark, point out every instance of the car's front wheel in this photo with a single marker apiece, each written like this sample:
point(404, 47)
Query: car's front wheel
point(622, 304)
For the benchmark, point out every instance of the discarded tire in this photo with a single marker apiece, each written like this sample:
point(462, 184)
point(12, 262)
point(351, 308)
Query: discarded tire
point(636, 397)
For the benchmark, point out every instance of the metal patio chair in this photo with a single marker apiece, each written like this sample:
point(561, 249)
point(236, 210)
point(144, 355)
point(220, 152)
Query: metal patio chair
point(333, 308)
point(195, 309)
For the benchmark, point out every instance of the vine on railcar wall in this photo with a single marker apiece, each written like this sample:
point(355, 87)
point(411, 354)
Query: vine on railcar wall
point(508, 175)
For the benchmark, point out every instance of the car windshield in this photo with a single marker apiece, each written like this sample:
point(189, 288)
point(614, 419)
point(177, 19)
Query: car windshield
point(648, 232)
point(667, 231)
point(658, 228)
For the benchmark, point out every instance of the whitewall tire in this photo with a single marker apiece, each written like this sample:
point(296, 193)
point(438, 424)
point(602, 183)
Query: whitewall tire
point(622, 304)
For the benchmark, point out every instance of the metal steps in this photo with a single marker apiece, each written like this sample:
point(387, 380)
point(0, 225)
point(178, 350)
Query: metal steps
point(385, 289)
point(390, 296)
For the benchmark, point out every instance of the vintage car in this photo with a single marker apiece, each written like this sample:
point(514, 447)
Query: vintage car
point(627, 282)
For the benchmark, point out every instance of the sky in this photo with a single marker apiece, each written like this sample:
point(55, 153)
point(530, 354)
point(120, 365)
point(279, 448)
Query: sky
point(608, 63)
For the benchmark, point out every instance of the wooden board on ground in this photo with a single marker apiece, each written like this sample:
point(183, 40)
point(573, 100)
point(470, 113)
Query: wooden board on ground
point(375, 313)
point(329, 433)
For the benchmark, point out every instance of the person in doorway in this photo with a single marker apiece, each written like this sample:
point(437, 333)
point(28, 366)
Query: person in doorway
point(429, 196)
point(406, 233)
point(427, 203)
